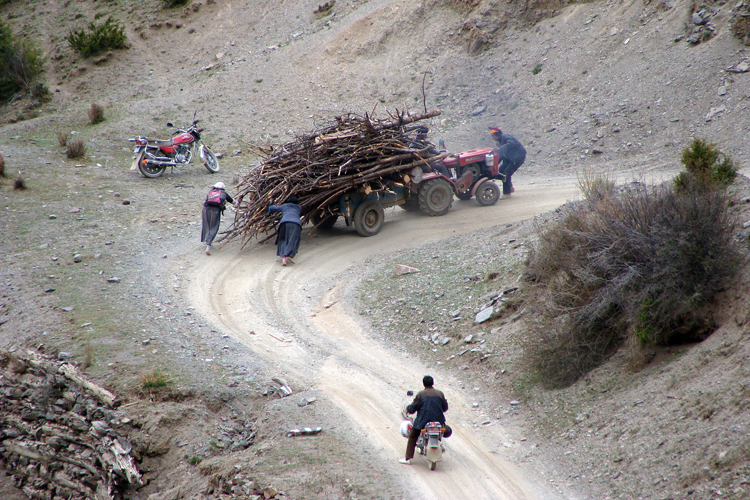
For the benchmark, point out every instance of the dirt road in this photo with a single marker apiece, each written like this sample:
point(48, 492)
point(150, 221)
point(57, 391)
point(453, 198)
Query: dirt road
point(298, 319)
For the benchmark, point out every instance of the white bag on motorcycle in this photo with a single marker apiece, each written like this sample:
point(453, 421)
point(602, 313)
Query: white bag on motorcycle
point(405, 428)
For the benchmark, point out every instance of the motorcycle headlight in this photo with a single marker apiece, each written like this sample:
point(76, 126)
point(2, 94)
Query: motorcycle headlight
point(489, 159)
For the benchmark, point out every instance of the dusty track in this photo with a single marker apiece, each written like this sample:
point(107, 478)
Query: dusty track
point(298, 319)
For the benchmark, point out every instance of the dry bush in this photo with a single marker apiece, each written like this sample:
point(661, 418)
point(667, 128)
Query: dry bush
point(63, 138)
point(2, 165)
point(96, 114)
point(76, 149)
point(640, 262)
point(741, 27)
point(19, 185)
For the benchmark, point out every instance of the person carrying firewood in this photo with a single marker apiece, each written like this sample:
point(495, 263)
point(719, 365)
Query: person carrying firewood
point(289, 230)
point(421, 143)
point(512, 155)
point(213, 208)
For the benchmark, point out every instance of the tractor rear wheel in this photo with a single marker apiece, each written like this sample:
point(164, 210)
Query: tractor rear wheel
point(435, 197)
point(368, 218)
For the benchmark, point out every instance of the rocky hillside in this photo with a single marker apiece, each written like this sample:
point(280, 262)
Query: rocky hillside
point(615, 87)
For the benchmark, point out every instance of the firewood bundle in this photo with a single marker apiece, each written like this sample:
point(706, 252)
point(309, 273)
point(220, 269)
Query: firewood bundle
point(352, 153)
point(59, 434)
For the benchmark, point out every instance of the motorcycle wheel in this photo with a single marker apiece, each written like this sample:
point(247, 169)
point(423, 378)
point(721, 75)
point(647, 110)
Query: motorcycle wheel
point(210, 162)
point(150, 171)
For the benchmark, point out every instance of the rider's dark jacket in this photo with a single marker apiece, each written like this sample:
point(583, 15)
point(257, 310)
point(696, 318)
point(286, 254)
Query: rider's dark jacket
point(429, 405)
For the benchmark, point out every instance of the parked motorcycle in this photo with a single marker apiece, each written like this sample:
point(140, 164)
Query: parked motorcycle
point(153, 156)
point(430, 441)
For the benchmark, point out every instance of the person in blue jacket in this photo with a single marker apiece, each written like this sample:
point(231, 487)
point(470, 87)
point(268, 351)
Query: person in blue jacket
point(430, 405)
point(289, 230)
point(512, 156)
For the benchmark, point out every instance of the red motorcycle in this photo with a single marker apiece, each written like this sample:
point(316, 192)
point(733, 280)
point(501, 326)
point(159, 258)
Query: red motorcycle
point(153, 156)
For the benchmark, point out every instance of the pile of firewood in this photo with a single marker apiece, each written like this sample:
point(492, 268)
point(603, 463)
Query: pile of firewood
point(352, 153)
point(59, 432)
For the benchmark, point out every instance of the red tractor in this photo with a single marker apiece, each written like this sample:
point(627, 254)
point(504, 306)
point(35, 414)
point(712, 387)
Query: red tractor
point(475, 170)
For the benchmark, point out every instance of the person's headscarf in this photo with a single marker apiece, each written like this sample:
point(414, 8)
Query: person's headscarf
point(220, 185)
point(292, 199)
point(495, 130)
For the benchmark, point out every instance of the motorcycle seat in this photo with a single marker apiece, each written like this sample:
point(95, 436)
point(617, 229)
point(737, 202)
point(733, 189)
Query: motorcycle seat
point(159, 142)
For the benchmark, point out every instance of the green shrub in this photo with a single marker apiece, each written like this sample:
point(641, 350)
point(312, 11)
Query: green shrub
point(537, 69)
point(20, 63)
point(634, 262)
point(156, 378)
point(704, 166)
point(99, 38)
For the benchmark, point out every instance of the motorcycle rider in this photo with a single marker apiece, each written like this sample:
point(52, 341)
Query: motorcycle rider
point(421, 142)
point(512, 154)
point(430, 405)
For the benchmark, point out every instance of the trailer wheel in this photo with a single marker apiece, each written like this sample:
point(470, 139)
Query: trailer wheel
point(368, 218)
point(488, 194)
point(411, 204)
point(327, 223)
point(435, 197)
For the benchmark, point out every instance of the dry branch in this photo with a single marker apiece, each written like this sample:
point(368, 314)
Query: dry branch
point(352, 153)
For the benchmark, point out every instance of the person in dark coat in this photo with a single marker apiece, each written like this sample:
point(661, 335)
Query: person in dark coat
point(512, 155)
point(421, 142)
point(429, 405)
point(213, 208)
point(289, 230)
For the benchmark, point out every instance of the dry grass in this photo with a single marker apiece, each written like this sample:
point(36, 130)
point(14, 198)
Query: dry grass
point(63, 138)
point(76, 149)
point(96, 114)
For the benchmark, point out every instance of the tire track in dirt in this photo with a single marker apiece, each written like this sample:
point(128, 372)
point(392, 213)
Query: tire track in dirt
point(308, 330)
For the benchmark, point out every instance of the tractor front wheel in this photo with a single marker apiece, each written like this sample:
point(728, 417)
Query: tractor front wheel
point(488, 193)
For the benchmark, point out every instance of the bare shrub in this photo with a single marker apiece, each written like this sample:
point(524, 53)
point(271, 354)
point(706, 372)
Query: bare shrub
point(76, 149)
point(2, 165)
point(741, 27)
point(96, 114)
point(63, 138)
point(638, 263)
point(19, 185)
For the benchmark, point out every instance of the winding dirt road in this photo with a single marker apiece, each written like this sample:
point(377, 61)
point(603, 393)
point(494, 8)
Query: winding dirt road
point(298, 317)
